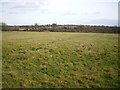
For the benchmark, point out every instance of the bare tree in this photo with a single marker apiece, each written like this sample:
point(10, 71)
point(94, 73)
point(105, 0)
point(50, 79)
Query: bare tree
point(4, 26)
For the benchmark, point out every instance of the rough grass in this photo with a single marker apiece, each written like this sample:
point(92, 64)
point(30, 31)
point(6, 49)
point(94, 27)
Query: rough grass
point(60, 60)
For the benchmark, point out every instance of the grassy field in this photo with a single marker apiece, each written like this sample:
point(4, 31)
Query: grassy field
point(60, 60)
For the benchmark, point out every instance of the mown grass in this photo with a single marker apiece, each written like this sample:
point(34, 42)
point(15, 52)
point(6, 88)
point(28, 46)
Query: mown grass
point(60, 60)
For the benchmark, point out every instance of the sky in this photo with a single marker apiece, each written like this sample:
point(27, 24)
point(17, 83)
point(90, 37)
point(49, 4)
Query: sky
point(79, 12)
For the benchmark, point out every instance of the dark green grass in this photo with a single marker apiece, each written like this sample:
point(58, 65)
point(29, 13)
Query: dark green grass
point(60, 60)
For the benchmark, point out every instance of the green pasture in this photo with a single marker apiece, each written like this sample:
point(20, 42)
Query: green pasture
point(59, 60)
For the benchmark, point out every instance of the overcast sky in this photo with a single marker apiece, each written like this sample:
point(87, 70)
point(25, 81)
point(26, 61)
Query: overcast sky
point(86, 12)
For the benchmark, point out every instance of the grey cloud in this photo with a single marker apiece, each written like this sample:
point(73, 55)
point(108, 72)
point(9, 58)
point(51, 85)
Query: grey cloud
point(97, 22)
point(68, 13)
point(29, 4)
point(28, 11)
point(96, 13)
point(90, 13)
point(104, 21)
point(17, 12)
point(13, 12)
point(2, 11)
point(78, 13)
point(5, 3)
point(25, 7)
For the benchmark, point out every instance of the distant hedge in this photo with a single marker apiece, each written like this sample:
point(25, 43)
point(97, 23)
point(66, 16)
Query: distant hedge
point(64, 28)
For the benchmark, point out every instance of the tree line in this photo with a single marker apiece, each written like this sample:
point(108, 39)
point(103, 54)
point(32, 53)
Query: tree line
point(62, 28)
